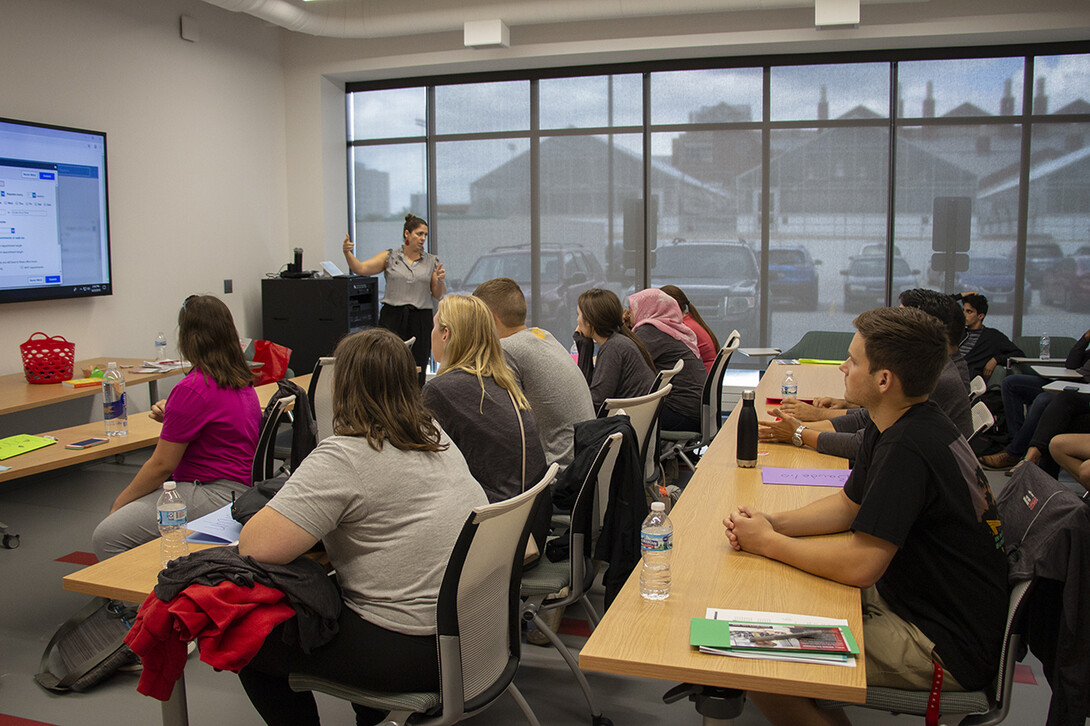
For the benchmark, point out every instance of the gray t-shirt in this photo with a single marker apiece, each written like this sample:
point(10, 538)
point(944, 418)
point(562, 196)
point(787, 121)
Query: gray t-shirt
point(950, 394)
point(555, 387)
point(620, 371)
point(486, 430)
point(389, 520)
point(409, 283)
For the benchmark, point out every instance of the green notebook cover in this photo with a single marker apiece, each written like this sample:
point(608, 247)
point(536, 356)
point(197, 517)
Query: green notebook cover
point(718, 634)
point(21, 444)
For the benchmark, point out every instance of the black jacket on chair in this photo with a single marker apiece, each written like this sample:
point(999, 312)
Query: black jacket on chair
point(619, 542)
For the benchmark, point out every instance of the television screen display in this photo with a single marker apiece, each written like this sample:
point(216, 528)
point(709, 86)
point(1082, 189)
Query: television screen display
point(54, 226)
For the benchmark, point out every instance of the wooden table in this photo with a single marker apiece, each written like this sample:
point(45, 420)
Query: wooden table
point(142, 432)
point(18, 395)
point(651, 639)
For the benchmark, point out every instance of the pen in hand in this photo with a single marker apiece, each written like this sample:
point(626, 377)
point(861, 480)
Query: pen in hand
point(789, 636)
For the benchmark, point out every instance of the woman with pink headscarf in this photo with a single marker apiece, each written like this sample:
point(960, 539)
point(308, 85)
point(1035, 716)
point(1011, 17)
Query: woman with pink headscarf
point(656, 321)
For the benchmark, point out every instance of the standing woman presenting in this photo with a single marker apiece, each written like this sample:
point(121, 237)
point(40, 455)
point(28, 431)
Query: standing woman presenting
point(413, 278)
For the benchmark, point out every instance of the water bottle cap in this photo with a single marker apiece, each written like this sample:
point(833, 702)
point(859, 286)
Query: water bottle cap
point(658, 506)
point(169, 486)
point(112, 364)
point(748, 395)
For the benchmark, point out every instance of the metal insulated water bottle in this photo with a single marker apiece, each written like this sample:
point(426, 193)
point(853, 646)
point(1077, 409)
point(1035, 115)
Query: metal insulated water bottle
point(747, 432)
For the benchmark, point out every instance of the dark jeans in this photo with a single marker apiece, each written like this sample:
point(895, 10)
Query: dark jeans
point(363, 655)
point(1019, 391)
point(1068, 413)
point(670, 420)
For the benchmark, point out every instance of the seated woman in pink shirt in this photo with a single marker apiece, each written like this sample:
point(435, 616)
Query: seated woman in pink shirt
point(706, 341)
point(211, 421)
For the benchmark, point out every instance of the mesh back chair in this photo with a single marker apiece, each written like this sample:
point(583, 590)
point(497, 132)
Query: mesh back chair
point(664, 377)
point(477, 615)
point(711, 409)
point(573, 575)
point(977, 387)
point(644, 411)
point(982, 418)
point(263, 467)
point(409, 343)
point(320, 392)
point(986, 707)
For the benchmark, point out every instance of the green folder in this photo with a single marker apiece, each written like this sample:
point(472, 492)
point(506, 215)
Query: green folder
point(717, 634)
point(820, 361)
point(21, 444)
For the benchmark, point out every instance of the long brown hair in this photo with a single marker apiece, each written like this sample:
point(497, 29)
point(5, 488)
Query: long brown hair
point(603, 312)
point(474, 345)
point(688, 308)
point(207, 338)
point(376, 393)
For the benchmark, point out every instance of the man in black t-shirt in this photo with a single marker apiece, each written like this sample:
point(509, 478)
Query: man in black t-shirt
point(925, 544)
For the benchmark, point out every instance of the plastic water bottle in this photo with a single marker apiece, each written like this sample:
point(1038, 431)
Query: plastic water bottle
point(656, 544)
point(171, 512)
point(160, 347)
point(114, 402)
point(1046, 346)
point(789, 388)
point(747, 432)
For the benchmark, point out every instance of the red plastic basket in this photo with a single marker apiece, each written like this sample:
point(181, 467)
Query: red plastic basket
point(48, 359)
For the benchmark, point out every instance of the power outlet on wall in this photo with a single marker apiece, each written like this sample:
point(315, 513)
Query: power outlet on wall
point(228, 287)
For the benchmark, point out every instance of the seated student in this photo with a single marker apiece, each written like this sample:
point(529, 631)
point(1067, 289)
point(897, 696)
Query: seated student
point(925, 540)
point(623, 367)
point(842, 435)
point(211, 421)
point(1072, 453)
point(476, 400)
point(983, 348)
point(656, 320)
point(706, 342)
point(1022, 391)
point(1067, 412)
point(387, 494)
point(543, 368)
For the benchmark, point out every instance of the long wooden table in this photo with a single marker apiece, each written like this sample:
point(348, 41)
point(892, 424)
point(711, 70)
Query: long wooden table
point(651, 639)
point(18, 395)
point(142, 432)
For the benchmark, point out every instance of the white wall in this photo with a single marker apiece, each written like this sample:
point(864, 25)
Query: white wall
point(196, 154)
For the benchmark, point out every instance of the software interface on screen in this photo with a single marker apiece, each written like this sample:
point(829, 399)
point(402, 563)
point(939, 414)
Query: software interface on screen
point(53, 219)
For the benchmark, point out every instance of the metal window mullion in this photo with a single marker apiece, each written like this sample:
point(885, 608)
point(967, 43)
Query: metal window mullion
point(766, 202)
point(535, 203)
point(1023, 199)
point(429, 155)
point(645, 280)
point(891, 191)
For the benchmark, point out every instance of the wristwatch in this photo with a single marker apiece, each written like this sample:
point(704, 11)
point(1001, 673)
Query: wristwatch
point(796, 438)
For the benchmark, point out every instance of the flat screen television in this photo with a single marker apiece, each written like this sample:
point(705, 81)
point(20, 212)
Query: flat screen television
point(54, 221)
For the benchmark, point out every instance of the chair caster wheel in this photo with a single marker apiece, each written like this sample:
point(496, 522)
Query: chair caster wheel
point(11, 541)
point(600, 721)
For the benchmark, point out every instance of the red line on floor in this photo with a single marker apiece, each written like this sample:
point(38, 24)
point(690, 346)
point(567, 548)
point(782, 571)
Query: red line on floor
point(75, 558)
point(1024, 674)
point(6, 720)
point(572, 626)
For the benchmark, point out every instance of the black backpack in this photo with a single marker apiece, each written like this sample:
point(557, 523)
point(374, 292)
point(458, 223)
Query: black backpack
point(88, 648)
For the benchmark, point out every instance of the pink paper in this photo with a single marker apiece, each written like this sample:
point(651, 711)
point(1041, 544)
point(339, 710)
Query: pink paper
point(805, 477)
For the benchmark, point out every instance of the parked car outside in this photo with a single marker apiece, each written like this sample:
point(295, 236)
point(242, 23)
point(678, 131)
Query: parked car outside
point(792, 278)
point(877, 249)
point(865, 281)
point(1069, 286)
point(720, 278)
point(993, 277)
point(566, 271)
point(1041, 259)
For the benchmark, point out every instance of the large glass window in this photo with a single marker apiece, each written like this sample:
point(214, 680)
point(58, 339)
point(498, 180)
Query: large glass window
point(774, 227)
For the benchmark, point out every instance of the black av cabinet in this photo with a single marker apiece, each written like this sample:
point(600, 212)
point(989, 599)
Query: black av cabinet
point(311, 314)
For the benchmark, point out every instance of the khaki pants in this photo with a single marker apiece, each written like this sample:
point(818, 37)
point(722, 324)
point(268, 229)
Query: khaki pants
point(898, 653)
